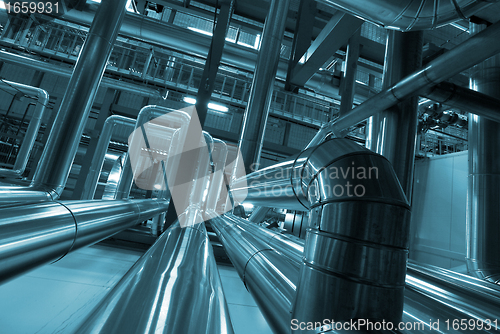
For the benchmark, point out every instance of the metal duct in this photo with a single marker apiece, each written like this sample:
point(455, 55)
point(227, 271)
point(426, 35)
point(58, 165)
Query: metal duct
point(431, 292)
point(36, 119)
point(257, 111)
point(483, 198)
point(55, 164)
point(173, 288)
point(105, 136)
point(336, 181)
point(465, 99)
point(410, 15)
point(219, 157)
point(483, 45)
point(35, 234)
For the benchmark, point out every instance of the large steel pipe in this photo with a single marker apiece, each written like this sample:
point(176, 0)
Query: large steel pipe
point(105, 137)
point(32, 235)
point(432, 293)
point(173, 288)
point(349, 191)
point(408, 14)
point(484, 45)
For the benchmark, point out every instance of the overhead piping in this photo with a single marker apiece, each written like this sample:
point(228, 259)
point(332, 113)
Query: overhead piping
point(408, 14)
point(474, 50)
point(36, 234)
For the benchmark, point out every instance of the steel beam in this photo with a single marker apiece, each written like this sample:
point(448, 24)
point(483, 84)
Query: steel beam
point(335, 34)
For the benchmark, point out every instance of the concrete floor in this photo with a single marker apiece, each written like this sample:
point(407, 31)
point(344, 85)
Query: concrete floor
point(56, 298)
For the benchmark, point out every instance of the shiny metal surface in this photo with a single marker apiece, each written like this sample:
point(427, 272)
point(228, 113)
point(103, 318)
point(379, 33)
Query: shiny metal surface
point(105, 136)
point(35, 234)
point(465, 99)
point(394, 131)
point(114, 176)
point(483, 198)
point(32, 131)
point(431, 293)
point(268, 276)
point(410, 15)
point(449, 64)
point(257, 110)
point(173, 288)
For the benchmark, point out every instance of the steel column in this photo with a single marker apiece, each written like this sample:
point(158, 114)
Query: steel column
point(348, 82)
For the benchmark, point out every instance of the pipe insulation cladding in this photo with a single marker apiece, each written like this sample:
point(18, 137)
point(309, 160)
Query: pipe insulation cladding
point(357, 208)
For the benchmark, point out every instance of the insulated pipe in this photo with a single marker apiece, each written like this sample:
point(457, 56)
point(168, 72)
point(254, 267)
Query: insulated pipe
point(410, 15)
point(55, 164)
point(483, 200)
point(394, 131)
point(465, 99)
point(483, 45)
point(32, 131)
point(36, 234)
point(105, 136)
point(431, 292)
point(176, 286)
point(349, 191)
point(257, 111)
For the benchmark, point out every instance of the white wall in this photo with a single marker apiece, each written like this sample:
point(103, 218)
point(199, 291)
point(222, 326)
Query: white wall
point(439, 209)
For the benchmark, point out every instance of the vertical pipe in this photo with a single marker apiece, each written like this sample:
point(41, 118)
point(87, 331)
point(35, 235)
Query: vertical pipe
point(393, 132)
point(60, 151)
point(483, 198)
point(257, 111)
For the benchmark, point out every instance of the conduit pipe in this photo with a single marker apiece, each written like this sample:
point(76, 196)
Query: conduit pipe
point(32, 131)
point(54, 166)
point(408, 14)
point(175, 283)
point(346, 210)
point(483, 45)
point(465, 99)
point(105, 137)
point(36, 234)
point(431, 292)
